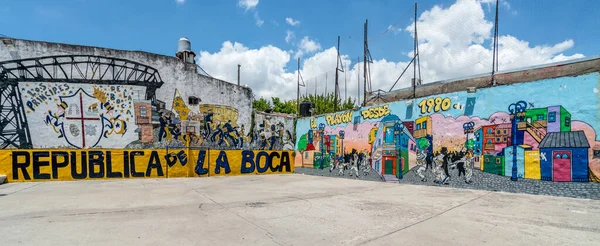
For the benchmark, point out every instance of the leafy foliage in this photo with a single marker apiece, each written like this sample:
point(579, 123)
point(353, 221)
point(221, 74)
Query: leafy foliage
point(261, 104)
point(324, 104)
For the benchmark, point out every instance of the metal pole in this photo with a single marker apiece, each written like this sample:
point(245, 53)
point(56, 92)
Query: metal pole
point(335, 97)
point(414, 80)
point(365, 48)
point(298, 94)
point(239, 66)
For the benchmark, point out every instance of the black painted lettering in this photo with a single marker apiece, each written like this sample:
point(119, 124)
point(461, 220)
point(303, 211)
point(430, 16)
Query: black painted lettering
point(267, 162)
point(96, 158)
point(109, 171)
point(285, 161)
point(56, 163)
point(16, 165)
point(74, 173)
point(154, 163)
point(132, 156)
point(126, 164)
point(199, 168)
point(222, 162)
point(37, 163)
point(272, 156)
point(247, 157)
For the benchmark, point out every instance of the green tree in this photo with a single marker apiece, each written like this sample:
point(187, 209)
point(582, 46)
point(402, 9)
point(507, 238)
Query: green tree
point(470, 144)
point(286, 107)
point(261, 104)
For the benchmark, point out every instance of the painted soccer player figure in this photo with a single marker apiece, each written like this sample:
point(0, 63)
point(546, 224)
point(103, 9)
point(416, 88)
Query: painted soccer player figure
point(470, 160)
point(422, 166)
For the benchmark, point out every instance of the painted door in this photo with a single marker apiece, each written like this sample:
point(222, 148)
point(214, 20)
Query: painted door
point(561, 166)
point(389, 167)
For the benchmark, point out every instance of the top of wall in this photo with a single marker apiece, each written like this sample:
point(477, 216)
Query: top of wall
point(523, 75)
point(140, 56)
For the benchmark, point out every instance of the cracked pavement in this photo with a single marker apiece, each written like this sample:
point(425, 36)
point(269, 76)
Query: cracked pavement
point(285, 210)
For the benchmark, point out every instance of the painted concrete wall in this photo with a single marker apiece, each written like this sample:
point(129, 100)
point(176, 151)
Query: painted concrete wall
point(181, 81)
point(273, 131)
point(448, 124)
point(70, 164)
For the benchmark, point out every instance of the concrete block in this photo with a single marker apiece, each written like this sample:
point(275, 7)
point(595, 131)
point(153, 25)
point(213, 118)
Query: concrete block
point(2, 178)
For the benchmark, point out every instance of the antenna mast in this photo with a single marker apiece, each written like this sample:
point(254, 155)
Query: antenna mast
point(495, 55)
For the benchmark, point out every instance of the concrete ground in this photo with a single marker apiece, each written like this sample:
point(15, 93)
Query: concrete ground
point(286, 210)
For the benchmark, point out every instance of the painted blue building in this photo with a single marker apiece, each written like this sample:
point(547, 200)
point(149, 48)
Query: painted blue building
point(564, 157)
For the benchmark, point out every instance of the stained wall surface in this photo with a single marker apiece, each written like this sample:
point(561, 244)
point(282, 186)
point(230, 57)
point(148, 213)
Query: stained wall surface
point(86, 112)
point(544, 129)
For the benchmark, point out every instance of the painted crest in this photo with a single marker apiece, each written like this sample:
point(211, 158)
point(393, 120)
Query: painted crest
point(81, 120)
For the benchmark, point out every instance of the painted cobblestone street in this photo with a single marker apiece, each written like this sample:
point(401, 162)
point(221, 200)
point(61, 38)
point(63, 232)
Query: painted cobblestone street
point(487, 181)
point(372, 176)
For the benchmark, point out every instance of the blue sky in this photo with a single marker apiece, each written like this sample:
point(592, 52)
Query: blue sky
point(156, 25)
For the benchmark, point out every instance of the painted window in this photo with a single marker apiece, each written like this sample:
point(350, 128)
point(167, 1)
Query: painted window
point(143, 111)
point(557, 156)
point(490, 130)
point(487, 159)
point(498, 160)
point(565, 156)
point(540, 117)
point(504, 139)
point(505, 131)
point(497, 139)
point(389, 135)
point(419, 126)
point(497, 131)
point(552, 117)
point(489, 141)
point(424, 124)
point(567, 121)
point(306, 155)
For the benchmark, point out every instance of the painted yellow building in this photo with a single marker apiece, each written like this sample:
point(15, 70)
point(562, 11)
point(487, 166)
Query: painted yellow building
point(423, 127)
point(532, 164)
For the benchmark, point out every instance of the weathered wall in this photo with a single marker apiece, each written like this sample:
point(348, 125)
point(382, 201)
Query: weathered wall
point(220, 101)
point(544, 129)
point(96, 113)
point(273, 131)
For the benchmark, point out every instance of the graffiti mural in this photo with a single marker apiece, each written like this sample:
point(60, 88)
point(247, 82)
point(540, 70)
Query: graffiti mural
point(217, 126)
point(80, 116)
point(539, 130)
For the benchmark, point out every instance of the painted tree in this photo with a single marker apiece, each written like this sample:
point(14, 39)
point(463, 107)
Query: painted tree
point(302, 142)
point(423, 143)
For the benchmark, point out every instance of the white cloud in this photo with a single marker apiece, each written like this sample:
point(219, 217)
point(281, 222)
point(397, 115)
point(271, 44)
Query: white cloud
point(455, 41)
point(292, 22)
point(259, 22)
point(180, 1)
point(289, 36)
point(248, 4)
point(307, 46)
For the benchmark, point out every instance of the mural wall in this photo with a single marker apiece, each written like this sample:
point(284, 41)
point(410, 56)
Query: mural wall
point(72, 112)
point(69, 164)
point(543, 130)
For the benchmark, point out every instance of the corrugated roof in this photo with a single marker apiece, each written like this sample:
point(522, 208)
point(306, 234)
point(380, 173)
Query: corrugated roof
point(574, 139)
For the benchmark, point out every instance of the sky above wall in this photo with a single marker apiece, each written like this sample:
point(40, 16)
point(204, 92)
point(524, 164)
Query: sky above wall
point(267, 37)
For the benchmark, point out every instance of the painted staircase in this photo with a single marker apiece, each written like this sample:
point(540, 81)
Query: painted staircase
point(390, 178)
point(537, 131)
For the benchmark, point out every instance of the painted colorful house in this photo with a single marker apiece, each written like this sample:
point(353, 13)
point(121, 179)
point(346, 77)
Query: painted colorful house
point(532, 164)
point(493, 164)
point(508, 158)
point(478, 139)
point(564, 156)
